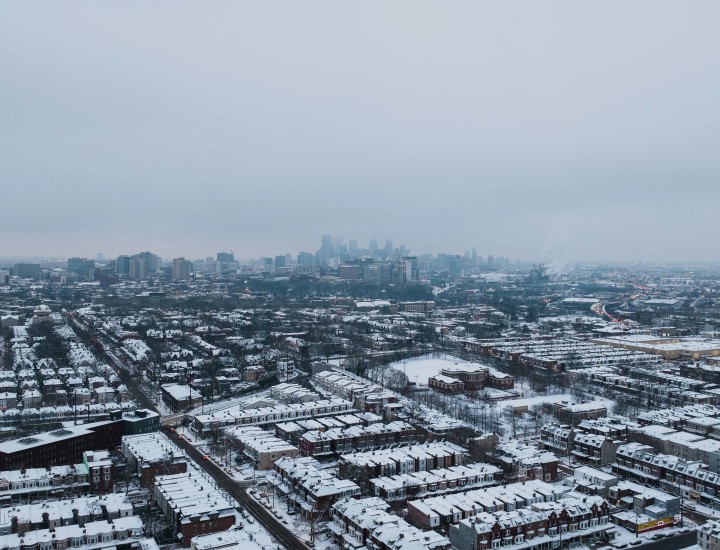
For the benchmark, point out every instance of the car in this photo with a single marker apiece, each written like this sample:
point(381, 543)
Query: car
point(205, 457)
point(635, 542)
point(180, 438)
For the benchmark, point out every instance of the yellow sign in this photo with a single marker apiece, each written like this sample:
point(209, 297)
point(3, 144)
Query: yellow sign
point(655, 524)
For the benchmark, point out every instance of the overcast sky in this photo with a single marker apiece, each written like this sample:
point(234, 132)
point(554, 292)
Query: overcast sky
point(569, 131)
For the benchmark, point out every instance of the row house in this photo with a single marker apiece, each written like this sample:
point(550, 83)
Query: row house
point(593, 481)
point(192, 504)
point(685, 445)
point(261, 446)
point(439, 512)
point(338, 441)
point(523, 462)
point(364, 395)
point(292, 431)
point(207, 423)
point(542, 525)
point(691, 479)
point(402, 460)
point(96, 534)
point(557, 438)
point(614, 427)
point(456, 478)
point(708, 535)
point(367, 523)
point(51, 514)
point(19, 484)
point(595, 450)
point(677, 417)
point(153, 454)
point(312, 488)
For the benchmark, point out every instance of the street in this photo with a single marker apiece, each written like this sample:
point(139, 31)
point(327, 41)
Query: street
point(225, 482)
point(671, 543)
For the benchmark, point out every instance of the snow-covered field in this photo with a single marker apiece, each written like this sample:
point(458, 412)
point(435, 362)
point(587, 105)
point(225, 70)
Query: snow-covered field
point(421, 368)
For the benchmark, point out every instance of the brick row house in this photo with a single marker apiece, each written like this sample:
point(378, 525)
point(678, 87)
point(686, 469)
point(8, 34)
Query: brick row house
point(691, 479)
point(540, 526)
point(367, 523)
point(311, 488)
point(338, 441)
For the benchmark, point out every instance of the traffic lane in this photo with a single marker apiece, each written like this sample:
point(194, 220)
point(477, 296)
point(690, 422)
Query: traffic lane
point(675, 542)
point(262, 515)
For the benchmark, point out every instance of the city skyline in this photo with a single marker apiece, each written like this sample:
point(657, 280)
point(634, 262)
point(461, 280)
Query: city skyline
point(587, 133)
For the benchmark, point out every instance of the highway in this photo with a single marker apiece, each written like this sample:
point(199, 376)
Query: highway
point(282, 533)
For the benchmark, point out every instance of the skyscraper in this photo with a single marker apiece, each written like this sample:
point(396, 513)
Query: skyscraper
point(373, 247)
point(305, 259)
point(181, 269)
point(122, 265)
point(388, 249)
point(82, 266)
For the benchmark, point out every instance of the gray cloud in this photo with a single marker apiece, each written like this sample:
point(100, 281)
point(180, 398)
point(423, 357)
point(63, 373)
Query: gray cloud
point(539, 131)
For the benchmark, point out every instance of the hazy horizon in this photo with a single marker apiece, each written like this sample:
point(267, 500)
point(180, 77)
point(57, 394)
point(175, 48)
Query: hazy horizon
point(559, 132)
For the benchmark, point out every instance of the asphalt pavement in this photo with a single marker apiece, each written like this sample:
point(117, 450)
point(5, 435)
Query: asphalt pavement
point(676, 542)
point(281, 532)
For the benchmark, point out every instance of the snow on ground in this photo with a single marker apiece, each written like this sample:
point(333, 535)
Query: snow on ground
point(421, 368)
point(277, 504)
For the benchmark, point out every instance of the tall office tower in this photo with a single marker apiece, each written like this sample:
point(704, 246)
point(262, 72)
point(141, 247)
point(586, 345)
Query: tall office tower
point(82, 266)
point(328, 247)
point(122, 265)
point(455, 264)
point(279, 262)
point(225, 257)
point(181, 269)
point(305, 259)
point(373, 247)
point(137, 268)
point(352, 247)
point(388, 249)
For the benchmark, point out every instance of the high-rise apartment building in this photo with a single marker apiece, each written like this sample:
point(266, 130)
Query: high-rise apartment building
point(122, 266)
point(181, 269)
point(388, 249)
point(137, 268)
point(373, 248)
point(305, 259)
point(27, 271)
point(225, 257)
point(82, 266)
point(409, 269)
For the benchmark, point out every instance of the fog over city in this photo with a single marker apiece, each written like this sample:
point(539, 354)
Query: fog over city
point(543, 131)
